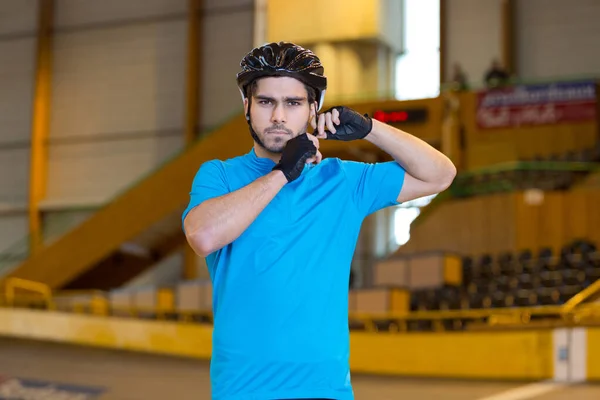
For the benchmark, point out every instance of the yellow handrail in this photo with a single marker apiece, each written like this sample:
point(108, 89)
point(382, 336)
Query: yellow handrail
point(78, 292)
point(574, 310)
point(459, 314)
point(582, 296)
point(13, 283)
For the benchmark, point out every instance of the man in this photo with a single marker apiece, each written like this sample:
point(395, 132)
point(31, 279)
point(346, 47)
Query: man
point(278, 227)
point(496, 76)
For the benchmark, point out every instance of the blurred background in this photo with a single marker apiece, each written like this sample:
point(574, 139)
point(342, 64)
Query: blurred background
point(108, 108)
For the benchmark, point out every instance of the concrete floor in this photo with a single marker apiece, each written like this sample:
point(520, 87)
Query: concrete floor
point(133, 376)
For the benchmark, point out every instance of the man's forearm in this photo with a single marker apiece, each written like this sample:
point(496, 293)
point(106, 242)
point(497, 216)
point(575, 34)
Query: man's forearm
point(417, 157)
point(219, 221)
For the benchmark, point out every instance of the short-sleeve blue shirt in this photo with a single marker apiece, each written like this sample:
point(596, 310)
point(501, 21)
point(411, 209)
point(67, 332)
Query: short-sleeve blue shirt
point(280, 290)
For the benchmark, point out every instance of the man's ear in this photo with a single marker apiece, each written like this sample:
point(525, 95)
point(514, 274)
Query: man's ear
point(246, 106)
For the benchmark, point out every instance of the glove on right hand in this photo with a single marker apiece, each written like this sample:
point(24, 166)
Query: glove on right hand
point(297, 150)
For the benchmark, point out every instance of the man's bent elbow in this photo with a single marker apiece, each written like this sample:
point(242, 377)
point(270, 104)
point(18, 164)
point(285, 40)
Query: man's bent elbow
point(448, 177)
point(201, 242)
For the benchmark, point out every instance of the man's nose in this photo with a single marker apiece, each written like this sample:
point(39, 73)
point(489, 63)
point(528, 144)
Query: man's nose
point(278, 114)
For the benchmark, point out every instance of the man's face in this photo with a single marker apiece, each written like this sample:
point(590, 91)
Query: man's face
point(279, 111)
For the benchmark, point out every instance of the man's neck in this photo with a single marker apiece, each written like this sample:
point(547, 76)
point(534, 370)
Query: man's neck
point(263, 153)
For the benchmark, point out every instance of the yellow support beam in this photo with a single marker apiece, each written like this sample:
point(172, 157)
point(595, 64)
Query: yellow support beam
point(40, 121)
point(508, 39)
point(192, 101)
point(192, 105)
point(443, 36)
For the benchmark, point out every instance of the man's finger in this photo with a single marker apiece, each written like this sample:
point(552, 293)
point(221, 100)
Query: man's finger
point(315, 159)
point(330, 126)
point(335, 116)
point(321, 124)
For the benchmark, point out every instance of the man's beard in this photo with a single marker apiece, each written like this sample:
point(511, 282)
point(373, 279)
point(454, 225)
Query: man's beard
point(279, 145)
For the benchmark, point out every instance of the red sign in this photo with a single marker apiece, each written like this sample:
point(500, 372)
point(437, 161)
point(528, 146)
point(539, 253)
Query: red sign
point(412, 115)
point(544, 114)
point(536, 105)
point(390, 117)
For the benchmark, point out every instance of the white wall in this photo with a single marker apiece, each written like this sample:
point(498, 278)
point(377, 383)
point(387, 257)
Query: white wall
point(390, 15)
point(17, 67)
point(558, 38)
point(17, 17)
point(13, 229)
point(119, 89)
point(474, 36)
point(57, 223)
point(117, 95)
point(227, 37)
point(77, 13)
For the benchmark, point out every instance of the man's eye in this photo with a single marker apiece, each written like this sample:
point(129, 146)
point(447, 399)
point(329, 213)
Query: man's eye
point(264, 102)
point(294, 103)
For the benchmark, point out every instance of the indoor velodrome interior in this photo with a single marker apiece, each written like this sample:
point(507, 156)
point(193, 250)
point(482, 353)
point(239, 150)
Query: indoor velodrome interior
point(487, 290)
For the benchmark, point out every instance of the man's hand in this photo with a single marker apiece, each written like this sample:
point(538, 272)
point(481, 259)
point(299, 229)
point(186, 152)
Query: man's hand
point(342, 123)
point(298, 151)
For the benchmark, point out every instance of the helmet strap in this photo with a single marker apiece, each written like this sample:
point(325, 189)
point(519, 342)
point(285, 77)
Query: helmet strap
point(316, 119)
point(252, 132)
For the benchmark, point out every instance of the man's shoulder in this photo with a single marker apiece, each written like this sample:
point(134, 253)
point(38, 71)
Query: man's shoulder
point(341, 166)
point(224, 164)
point(351, 166)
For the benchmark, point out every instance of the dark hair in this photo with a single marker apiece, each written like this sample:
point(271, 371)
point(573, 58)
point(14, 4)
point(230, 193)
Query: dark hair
point(311, 93)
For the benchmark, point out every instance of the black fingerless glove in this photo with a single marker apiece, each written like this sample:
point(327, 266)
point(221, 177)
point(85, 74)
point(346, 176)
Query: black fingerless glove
point(353, 126)
point(294, 156)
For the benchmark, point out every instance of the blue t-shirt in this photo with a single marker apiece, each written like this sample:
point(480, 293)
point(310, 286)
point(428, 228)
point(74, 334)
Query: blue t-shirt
point(280, 291)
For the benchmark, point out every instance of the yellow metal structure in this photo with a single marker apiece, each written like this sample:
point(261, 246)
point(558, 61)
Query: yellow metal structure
point(117, 333)
point(453, 270)
point(193, 106)
point(162, 194)
point(40, 122)
point(333, 20)
point(593, 347)
point(515, 355)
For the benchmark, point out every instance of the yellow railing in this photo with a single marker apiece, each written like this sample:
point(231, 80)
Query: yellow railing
point(82, 301)
point(96, 302)
point(13, 298)
point(583, 296)
point(491, 317)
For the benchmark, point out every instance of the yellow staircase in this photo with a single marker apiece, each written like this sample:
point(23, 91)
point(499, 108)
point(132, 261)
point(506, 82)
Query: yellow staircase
point(156, 201)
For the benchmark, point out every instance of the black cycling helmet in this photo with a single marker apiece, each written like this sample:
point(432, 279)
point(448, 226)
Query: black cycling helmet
point(283, 59)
